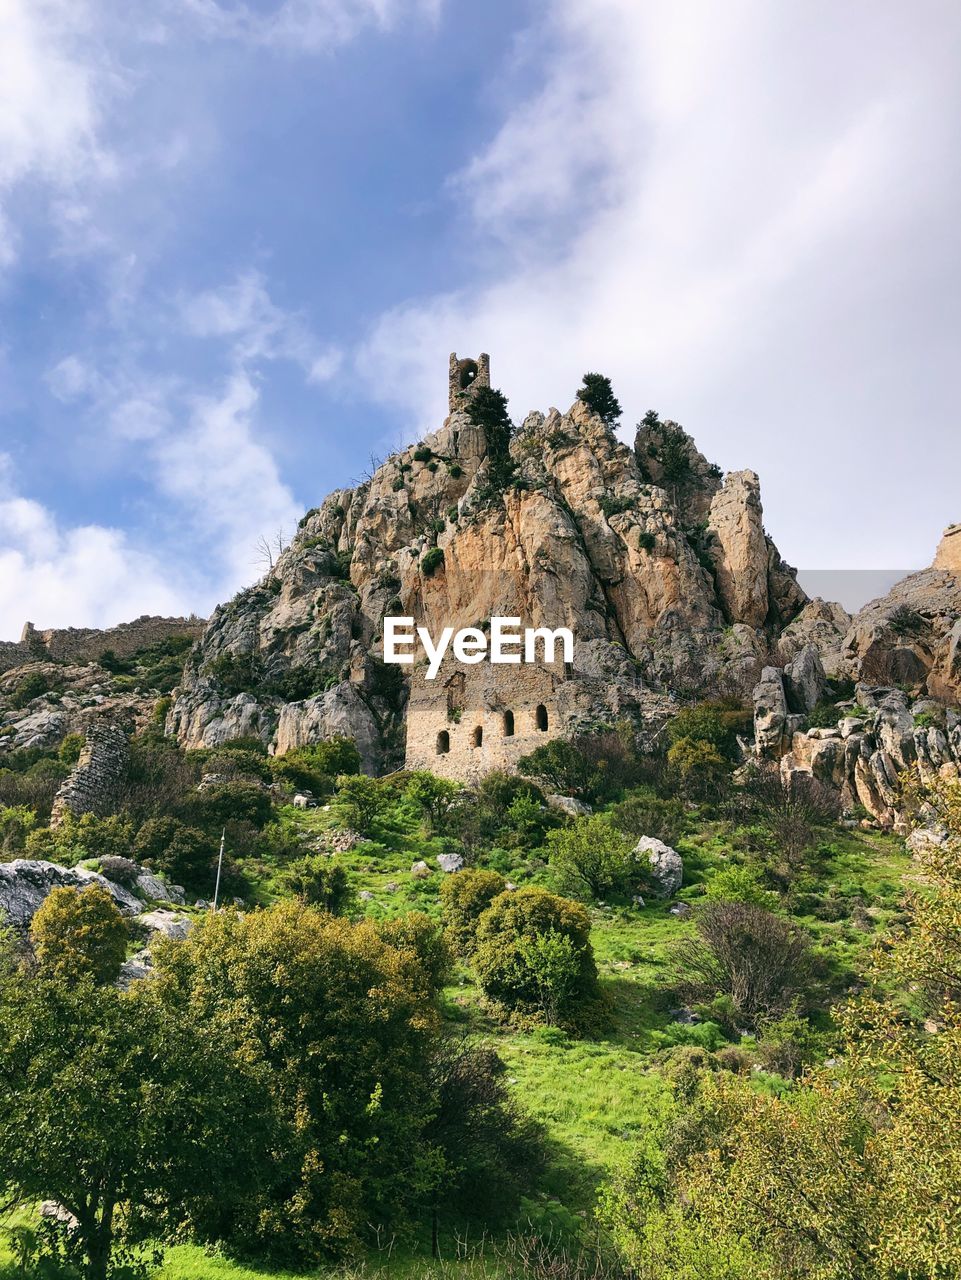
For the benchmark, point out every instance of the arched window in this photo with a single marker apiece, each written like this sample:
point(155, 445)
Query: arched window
point(540, 718)
point(443, 742)
point(478, 736)
point(508, 724)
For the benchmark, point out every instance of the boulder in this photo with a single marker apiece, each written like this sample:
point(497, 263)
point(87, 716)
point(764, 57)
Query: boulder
point(420, 870)
point(450, 862)
point(135, 968)
point(567, 804)
point(169, 924)
point(804, 680)
point(666, 867)
point(25, 884)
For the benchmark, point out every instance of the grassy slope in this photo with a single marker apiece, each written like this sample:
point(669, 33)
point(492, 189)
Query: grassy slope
point(592, 1094)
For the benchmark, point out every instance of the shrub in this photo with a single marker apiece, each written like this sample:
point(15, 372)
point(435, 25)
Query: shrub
point(346, 1022)
point(465, 896)
point(643, 813)
point(423, 454)
point(418, 936)
point(69, 750)
point(31, 686)
point(598, 394)
point(79, 934)
point(560, 767)
point(320, 882)
point(646, 541)
point(590, 858)
point(214, 807)
point(718, 722)
point(741, 951)
point(16, 823)
point(361, 800)
point(431, 561)
point(435, 797)
point(740, 884)
point(521, 963)
point(185, 855)
point(699, 764)
point(487, 408)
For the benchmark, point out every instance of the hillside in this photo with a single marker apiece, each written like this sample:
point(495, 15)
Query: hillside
point(538, 968)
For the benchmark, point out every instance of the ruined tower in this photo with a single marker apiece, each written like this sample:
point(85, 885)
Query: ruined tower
point(465, 376)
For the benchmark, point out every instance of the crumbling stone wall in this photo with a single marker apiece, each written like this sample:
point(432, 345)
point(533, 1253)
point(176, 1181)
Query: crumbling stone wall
point(94, 783)
point(86, 644)
point(470, 720)
point(466, 376)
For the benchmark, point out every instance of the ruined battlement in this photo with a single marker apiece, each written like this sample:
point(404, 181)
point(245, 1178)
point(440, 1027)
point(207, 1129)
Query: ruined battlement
point(85, 644)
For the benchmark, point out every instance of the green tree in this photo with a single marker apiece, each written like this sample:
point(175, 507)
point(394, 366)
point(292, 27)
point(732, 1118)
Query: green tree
point(598, 394)
point(79, 933)
point(590, 858)
point(487, 408)
point(184, 854)
point(511, 964)
point(465, 896)
point(435, 797)
point(131, 1115)
point(320, 882)
point(345, 1021)
point(560, 767)
point(361, 800)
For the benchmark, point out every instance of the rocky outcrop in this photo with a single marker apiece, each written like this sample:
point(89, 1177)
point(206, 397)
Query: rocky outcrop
point(95, 781)
point(823, 625)
point(739, 549)
point(948, 554)
point(584, 532)
point(804, 680)
point(24, 885)
point(665, 865)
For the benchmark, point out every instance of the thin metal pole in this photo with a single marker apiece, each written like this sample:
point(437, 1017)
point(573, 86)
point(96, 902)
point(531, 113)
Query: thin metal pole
point(220, 863)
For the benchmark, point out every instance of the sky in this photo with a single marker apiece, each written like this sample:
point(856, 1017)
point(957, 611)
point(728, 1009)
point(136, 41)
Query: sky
point(239, 238)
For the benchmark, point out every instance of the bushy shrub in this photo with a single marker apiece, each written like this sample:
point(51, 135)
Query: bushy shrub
point(590, 858)
point(434, 797)
point(214, 807)
point(185, 855)
point(77, 838)
point(643, 813)
point(746, 953)
point(417, 935)
point(314, 767)
point(717, 721)
point(346, 1022)
point(320, 882)
point(431, 561)
point(534, 955)
point(16, 823)
point(31, 686)
point(79, 934)
point(70, 748)
point(360, 800)
point(465, 896)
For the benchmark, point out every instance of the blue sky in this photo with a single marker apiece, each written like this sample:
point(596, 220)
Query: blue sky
point(238, 240)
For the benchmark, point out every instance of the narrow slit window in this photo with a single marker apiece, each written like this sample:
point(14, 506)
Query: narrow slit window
point(443, 742)
point(478, 736)
point(508, 724)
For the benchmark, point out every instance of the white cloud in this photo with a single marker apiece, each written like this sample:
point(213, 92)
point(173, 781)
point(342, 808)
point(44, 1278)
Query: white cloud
point(224, 482)
point(86, 575)
point(52, 96)
point(258, 329)
point(303, 26)
point(745, 214)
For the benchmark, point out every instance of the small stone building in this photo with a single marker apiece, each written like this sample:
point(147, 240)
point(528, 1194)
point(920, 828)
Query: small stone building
point(471, 719)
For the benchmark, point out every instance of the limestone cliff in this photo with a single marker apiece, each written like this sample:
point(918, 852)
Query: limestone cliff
point(660, 567)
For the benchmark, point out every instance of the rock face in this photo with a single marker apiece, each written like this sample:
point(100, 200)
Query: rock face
point(664, 575)
point(948, 555)
point(666, 865)
point(739, 550)
point(95, 780)
point(24, 884)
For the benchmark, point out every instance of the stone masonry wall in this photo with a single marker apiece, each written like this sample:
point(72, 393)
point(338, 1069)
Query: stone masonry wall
point(86, 644)
point(95, 780)
point(470, 720)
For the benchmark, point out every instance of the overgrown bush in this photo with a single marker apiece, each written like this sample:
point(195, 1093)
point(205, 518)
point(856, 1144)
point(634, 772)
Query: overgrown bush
point(591, 858)
point(746, 953)
point(320, 882)
point(79, 933)
point(465, 896)
point(534, 955)
point(598, 394)
point(185, 855)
